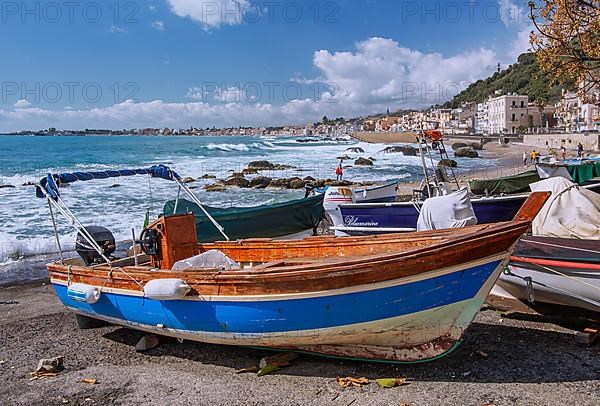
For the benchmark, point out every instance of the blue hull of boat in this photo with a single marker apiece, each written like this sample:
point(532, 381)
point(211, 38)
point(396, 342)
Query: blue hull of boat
point(487, 210)
point(263, 315)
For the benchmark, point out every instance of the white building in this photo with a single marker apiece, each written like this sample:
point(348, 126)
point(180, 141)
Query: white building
point(507, 113)
point(482, 125)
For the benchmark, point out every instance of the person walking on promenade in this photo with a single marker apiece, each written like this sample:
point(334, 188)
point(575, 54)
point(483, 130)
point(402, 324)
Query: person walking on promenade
point(580, 151)
point(524, 158)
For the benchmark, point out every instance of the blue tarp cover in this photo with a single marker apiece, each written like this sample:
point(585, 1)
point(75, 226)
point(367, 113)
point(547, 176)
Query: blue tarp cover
point(51, 182)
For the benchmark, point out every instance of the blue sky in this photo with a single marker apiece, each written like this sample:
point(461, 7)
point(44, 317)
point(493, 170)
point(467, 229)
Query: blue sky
point(180, 63)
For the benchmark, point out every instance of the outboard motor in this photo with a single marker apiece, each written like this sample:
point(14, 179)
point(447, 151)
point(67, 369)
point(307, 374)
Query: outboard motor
point(103, 237)
point(334, 196)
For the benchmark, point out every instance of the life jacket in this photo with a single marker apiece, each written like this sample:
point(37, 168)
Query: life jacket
point(338, 170)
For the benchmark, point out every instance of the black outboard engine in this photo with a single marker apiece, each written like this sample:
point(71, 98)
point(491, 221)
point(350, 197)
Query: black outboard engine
point(103, 237)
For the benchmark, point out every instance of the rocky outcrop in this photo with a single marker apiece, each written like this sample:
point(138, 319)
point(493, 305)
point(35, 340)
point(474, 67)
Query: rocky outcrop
point(207, 176)
point(466, 152)
point(188, 180)
point(279, 183)
point(296, 183)
point(332, 182)
point(343, 157)
point(356, 150)
point(250, 171)
point(237, 181)
point(404, 149)
point(458, 145)
point(260, 182)
point(451, 163)
point(266, 165)
point(215, 187)
point(363, 162)
point(476, 145)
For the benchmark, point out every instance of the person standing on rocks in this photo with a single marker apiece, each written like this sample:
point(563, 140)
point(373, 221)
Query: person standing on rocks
point(339, 171)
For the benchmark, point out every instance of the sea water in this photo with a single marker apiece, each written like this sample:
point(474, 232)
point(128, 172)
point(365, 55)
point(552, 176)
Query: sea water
point(120, 204)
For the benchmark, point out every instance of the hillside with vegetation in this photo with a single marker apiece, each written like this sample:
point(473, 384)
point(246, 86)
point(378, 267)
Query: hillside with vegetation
point(524, 77)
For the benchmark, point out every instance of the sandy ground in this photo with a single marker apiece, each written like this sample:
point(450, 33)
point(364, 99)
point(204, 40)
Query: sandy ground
point(528, 363)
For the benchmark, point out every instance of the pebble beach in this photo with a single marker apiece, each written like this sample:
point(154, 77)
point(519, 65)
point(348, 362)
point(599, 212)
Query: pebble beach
point(502, 360)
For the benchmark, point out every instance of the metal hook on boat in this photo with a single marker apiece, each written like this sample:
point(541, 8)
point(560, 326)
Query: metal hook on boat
point(529, 289)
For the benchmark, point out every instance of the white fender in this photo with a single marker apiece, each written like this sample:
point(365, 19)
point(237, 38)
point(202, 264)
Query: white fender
point(166, 289)
point(82, 292)
point(334, 196)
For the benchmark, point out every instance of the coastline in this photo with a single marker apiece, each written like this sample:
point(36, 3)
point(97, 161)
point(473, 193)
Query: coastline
point(36, 325)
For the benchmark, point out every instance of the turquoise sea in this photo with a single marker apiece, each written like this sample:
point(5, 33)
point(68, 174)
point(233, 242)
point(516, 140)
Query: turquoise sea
point(120, 204)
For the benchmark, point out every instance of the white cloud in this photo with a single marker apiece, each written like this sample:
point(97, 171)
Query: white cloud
point(117, 30)
point(519, 45)
point(511, 13)
point(22, 104)
point(381, 72)
point(378, 73)
point(158, 25)
point(210, 13)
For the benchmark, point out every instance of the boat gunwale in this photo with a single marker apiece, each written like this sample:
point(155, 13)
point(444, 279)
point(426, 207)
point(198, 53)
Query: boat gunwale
point(341, 267)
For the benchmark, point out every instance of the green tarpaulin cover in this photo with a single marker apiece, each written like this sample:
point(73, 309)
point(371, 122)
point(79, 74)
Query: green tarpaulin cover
point(509, 184)
point(268, 221)
point(583, 172)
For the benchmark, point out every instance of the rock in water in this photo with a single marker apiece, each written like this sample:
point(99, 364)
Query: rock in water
point(458, 145)
point(188, 180)
point(296, 183)
point(357, 150)
point(363, 162)
point(404, 149)
point(147, 342)
point(260, 182)
point(250, 171)
point(476, 145)
point(466, 152)
point(7, 187)
point(239, 182)
point(215, 187)
point(207, 176)
point(448, 162)
point(260, 165)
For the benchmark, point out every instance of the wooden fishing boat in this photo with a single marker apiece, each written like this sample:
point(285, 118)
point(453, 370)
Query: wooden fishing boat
point(398, 298)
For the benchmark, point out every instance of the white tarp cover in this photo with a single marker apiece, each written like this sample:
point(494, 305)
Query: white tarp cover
point(208, 259)
point(451, 211)
point(571, 211)
point(546, 171)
